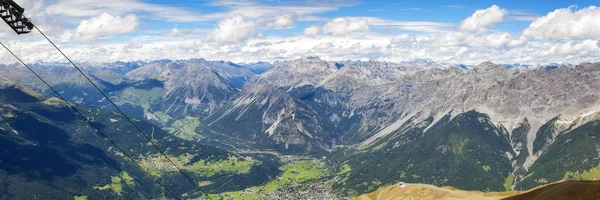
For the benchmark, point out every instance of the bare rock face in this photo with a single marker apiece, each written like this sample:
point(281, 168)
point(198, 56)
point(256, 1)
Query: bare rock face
point(191, 88)
point(271, 118)
point(508, 95)
point(297, 73)
point(194, 87)
point(519, 100)
point(367, 101)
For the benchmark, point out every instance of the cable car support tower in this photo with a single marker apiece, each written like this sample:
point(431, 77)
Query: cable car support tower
point(12, 14)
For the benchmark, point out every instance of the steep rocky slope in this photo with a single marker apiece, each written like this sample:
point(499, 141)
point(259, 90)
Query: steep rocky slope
point(192, 88)
point(271, 118)
point(519, 100)
point(529, 108)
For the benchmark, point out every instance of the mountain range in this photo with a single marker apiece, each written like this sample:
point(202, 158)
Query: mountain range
point(49, 151)
point(486, 127)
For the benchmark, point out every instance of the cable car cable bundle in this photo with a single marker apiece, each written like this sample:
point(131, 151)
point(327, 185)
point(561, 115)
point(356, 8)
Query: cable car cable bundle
point(95, 128)
point(13, 15)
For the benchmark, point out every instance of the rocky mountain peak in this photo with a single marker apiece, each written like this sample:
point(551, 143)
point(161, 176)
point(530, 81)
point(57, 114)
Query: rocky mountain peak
point(298, 73)
point(275, 119)
point(488, 66)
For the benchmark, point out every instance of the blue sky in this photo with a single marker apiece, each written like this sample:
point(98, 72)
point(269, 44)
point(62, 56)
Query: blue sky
point(452, 31)
point(449, 11)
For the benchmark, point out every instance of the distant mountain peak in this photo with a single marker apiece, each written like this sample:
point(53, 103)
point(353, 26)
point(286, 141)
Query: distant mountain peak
point(487, 66)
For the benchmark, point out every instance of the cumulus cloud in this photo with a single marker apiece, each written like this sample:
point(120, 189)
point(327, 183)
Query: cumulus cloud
point(503, 40)
point(232, 30)
point(312, 31)
point(283, 21)
point(567, 24)
point(303, 10)
point(105, 25)
point(324, 46)
point(173, 33)
point(90, 8)
point(428, 40)
point(462, 39)
point(346, 25)
point(482, 19)
point(343, 26)
point(419, 26)
point(435, 47)
point(461, 51)
point(403, 38)
point(573, 48)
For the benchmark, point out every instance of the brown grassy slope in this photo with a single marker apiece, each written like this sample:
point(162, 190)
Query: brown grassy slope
point(580, 190)
point(430, 192)
point(567, 190)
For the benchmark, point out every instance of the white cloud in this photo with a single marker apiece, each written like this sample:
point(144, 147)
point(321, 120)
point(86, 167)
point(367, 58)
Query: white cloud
point(236, 35)
point(525, 18)
point(461, 39)
point(503, 40)
point(303, 10)
point(461, 51)
point(283, 21)
point(90, 8)
point(105, 25)
point(403, 38)
point(482, 19)
point(419, 26)
point(567, 24)
point(6, 31)
point(32, 6)
point(441, 47)
point(343, 26)
point(72, 11)
point(232, 30)
point(521, 15)
point(173, 33)
point(312, 31)
point(324, 46)
point(573, 48)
